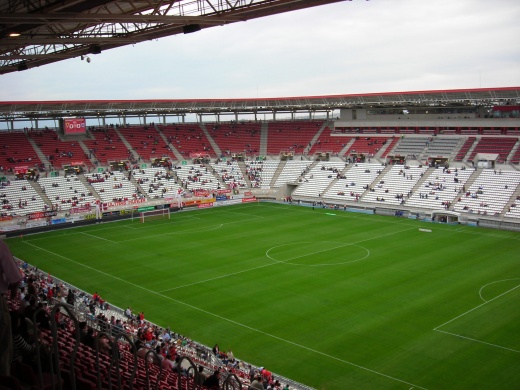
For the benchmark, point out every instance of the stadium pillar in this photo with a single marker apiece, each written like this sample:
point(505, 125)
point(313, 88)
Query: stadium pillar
point(236, 116)
point(36, 124)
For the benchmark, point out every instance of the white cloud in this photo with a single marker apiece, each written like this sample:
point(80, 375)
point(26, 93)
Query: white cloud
point(347, 47)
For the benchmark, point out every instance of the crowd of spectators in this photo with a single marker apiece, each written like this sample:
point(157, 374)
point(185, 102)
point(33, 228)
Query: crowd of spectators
point(160, 346)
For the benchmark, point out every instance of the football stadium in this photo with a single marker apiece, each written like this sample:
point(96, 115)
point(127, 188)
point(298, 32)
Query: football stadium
point(355, 241)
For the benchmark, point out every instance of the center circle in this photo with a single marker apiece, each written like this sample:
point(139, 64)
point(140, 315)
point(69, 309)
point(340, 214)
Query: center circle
point(317, 253)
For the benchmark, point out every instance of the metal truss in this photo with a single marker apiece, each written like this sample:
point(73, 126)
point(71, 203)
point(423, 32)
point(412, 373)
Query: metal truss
point(486, 97)
point(39, 32)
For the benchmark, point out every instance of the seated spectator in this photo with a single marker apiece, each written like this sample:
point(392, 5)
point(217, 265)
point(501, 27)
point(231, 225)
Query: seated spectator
point(212, 381)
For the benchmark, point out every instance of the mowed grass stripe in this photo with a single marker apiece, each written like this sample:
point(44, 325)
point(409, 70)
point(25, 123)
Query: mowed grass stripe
point(367, 324)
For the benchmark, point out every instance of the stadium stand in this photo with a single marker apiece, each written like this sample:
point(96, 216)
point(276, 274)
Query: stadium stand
point(58, 152)
point(113, 186)
point(291, 136)
point(146, 142)
point(16, 150)
point(315, 181)
point(85, 342)
point(236, 137)
point(329, 141)
point(107, 146)
point(489, 193)
point(393, 142)
point(291, 172)
point(412, 146)
point(469, 191)
point(260, 173)
point(468, 144)
point(353, 182)
point(395, 185)
point(440, 188)
point(156, 182)
point(195, 177)
point(513, 210)
point(188, 139)
point(230, 173)
point(443, 146)
point(19, 198)
point(66, 191)
point(368, 146)
point(500, 146)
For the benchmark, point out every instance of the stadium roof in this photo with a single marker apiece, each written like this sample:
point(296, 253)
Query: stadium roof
point(39, 32)
point(91, 108)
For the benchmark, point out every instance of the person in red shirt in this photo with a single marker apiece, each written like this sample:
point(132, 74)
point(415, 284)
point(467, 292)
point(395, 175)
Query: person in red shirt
point(266, 376)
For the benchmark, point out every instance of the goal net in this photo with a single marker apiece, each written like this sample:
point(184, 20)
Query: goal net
point(147, 216)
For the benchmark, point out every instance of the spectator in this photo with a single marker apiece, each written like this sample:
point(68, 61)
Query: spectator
point(212, 381)
point(10, 276)
point(257, 383)
point(201, 377)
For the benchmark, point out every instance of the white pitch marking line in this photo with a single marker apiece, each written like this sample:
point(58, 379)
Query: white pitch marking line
point(469, 311)
point(219, 277)
point(478, 341)
point(263, 266)
point(476, 307)
point(235, 322)
point(196, 230)
point(99, 238)
point(497, 281)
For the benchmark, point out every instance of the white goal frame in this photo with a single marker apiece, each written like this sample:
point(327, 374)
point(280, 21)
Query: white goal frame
point(154, 214)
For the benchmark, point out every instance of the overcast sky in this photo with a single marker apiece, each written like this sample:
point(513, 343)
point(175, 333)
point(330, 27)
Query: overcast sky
point(350, 47)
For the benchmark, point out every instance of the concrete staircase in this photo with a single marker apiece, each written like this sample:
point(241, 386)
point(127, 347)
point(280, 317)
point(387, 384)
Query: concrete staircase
point(419, 183)
point(243, 169)
point(88, 186)
point(128, 145)
point(470, 150)
point(40, 192)
point(513, 151)
point(263, 139)
point(466, 185)
point(93, 161)
point(343, 172)
point(177, 154)
point(279, 170)
point(510, 201)
point(39, 153)
point(346, 147)
point(376, 180)
point(316, 137)
point(210, 139)
point(382, 150)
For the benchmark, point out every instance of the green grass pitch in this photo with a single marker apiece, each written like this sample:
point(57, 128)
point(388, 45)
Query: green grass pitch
point(332, 299)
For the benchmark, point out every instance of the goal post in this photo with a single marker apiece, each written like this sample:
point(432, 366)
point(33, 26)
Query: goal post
point(147, 216)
